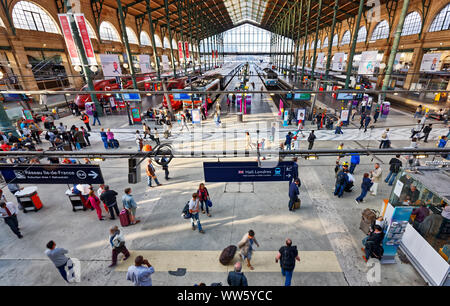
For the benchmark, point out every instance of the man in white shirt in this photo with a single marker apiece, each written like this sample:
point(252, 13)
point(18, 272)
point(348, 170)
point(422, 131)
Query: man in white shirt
point(194, 211)
point(8, 212)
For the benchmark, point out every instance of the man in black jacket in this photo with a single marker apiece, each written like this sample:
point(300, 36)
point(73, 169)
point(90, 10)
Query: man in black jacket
point(236, 277)
point(373, 246)
point(287, 255)
point(395, 166)
point(109, 198)
point(426, 132)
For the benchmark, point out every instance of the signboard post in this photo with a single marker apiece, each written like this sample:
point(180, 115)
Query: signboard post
point(52, 174)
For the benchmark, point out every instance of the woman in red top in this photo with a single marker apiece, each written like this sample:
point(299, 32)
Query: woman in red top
point(203, 195)
point(95, 202)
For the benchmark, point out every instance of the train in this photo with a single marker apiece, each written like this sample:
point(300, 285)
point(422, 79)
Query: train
point(270, 77)
point(112, 85)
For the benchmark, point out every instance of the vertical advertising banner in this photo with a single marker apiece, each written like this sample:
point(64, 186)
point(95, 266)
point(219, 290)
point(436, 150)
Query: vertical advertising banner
point(196, 117)
point(368, 62)
point(430, 62)
point(110, 65)
point(144, 63)
point(87, 44)
point(165, 62)
point(180, 51)
point(186, 49)
point(68, 38)
point(338, 62)
point(320, 60)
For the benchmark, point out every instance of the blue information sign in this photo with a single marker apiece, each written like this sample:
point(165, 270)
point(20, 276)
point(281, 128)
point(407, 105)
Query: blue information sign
point(52, 174)
point(246, 172)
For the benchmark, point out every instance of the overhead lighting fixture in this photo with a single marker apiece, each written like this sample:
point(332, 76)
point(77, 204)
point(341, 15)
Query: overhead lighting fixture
point(421, 156)
point(311, 157)
point(125, 65)
point(93, 68)
point(77, 68)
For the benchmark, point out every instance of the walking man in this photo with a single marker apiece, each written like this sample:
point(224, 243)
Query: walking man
point(366, 122)
point(140, 275)
point(416, 130)
point(237, 278)
point(151, 174)
point(194, 211)
point(95, 115)
point(58, 257)
point(394, 168)
point(117, 242)
point(85, 119)
point(9, 213)
point(109, 198)
point(375, 175)
point(354, 161)
point(426, 132)
point(311, 139)
point(130, 205)
point(293, 193)
point(287, 255)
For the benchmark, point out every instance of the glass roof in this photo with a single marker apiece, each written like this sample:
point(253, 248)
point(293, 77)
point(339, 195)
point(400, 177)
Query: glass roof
point(241, 10)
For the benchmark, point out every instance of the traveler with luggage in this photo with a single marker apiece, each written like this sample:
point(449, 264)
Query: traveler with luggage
point(194, 213)
point(59, 259)
point(109, 198)
point(365, 187)
point(237, 278)
point(140, 275)
point(104, 138)
point(130, 205)
point(246, 247)
point(151, 174)
point(293, 193)
point(203, 197)
point(395, 166)
point(117, 242)
point(110, 138)
point(287, 255)
point(373, 246)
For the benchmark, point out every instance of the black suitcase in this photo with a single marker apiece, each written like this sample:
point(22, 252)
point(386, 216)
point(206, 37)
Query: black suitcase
point(227, 254)
point(116, 143)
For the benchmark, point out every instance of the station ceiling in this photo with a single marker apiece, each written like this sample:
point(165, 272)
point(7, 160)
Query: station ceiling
point(221, 15)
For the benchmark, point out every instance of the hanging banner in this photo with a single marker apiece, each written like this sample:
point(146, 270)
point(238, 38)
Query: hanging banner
point(186, 49)
point(68, 38)
point(338, 62)
point(165, 62)
point(320, 60)
point(430, 62)
point(180, 51)
point(368, 62)
point(212, 53)
point(144, 63)
point(110, 65)
point(86, 40)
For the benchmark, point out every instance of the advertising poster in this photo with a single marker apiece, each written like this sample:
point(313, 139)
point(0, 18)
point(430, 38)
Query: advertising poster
point(27, 115)
point(320, 60)
point(430, 62)
point(301, 114)
point(68, 38)
point(165, 62)
point(338, 62)
point(368, 62)
point(144, 63)
point(86, 40)
point(196, 117)
point(135, 114)
point(110, 65)
point(344, 115)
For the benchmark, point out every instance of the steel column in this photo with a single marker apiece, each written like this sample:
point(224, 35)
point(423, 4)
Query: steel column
point(319, 12)
point(298, 39)
point(126, 43)
point(166, 7)
point(330, 39)
point(306, 40)
point(179, 4)
point(353, 47)
point(152, 37)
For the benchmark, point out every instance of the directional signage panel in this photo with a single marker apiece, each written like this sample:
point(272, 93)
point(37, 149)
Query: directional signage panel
point(52, 174)
point(246, 172)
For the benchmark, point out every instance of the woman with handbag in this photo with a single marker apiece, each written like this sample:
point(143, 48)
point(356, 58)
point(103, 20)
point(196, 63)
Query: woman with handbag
point(203, 197)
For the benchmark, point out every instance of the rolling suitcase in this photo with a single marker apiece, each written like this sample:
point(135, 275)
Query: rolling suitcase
point(116, 143)
point(297, 204)
point(227, 254)
point(124, 218)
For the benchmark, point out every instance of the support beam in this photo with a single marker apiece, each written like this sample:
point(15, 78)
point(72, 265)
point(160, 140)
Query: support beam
point(330, 39)
point(6, 5)
point(152, 39)
point(306, 40)
point(97, 7)
point(126, 43)
point(319, 12)
point(298, 38)
point(166, 3)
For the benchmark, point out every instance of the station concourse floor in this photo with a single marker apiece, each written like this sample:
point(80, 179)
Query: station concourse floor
point(325, 229)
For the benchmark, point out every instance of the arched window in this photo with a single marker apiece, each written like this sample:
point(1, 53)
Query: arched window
point(158, 43)
point(345, 38)
point(145, 39)
point(90, 30)
point(108, 32)
point(335, 40)
point(29, 16)
point(442, 20)
point(132, 38)
point(166, 43)
point(362, 35)
point(412, 24)
point(325, 42)
point(381, 31)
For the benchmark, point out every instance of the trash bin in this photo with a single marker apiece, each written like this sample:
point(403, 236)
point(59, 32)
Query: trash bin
point(240, 117)
point(29, 199)
point(77, 200)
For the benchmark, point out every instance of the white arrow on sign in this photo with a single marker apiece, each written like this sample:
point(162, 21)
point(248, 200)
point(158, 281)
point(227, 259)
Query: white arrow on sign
point(93, 174)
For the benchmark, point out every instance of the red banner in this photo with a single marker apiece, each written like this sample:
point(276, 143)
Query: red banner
point(186, 49)
point(212, 53)
point(82, 28)
point(68, 38)
point(180, 50)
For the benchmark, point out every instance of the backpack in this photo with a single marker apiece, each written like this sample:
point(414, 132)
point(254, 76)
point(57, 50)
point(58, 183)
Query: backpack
point(47, 137)
point(117, 241)
point(185, 213)
point(384, 135)
point(396, 167)
point(341, 178)
point(287, 259)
